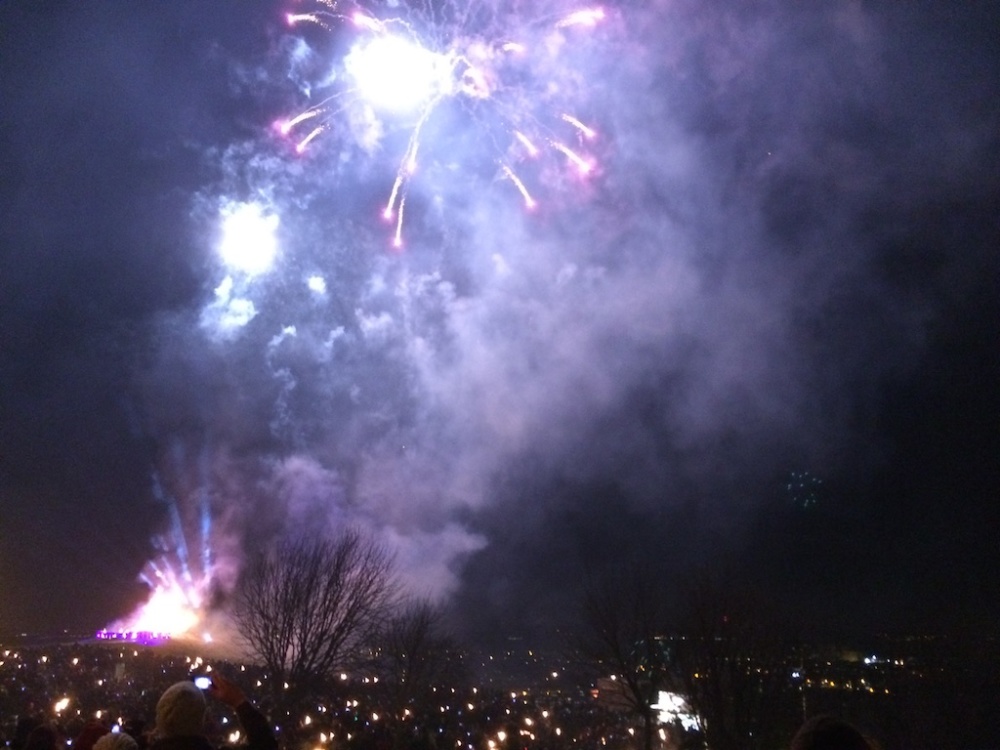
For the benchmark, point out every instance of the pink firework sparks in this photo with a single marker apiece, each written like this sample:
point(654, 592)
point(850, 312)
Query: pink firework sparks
point(403, 65)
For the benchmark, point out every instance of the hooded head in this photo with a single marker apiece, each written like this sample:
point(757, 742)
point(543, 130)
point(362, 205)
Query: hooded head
point(180, 711)
point(116, 741)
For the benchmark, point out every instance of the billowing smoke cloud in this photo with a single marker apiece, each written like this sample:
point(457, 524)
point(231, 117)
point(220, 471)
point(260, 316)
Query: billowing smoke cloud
point(516, 393)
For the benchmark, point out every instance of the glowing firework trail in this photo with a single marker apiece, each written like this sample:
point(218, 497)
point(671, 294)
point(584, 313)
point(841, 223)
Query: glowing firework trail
point(294, 18)
point(404, 66)
point(398, 239)
point(529, 202)
point(367, 22)
point(587, 132)
point(286, 127)
point(582, 164)
point(585, 17)
point(406, 168)
point(313, 134)
point(526, 142)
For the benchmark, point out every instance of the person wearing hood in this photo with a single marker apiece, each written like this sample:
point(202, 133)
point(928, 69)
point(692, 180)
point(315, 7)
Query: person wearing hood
point(180, 716)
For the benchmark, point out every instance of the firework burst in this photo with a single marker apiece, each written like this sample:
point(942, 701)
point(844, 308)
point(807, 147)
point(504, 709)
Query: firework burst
point(405, 62)
point(180, 579)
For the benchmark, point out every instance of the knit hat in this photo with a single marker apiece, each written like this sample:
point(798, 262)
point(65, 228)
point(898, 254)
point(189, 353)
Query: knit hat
point(180, 711)
point(116, 741)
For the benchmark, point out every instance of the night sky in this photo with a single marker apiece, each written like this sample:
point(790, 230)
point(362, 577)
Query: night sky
point(760, 339)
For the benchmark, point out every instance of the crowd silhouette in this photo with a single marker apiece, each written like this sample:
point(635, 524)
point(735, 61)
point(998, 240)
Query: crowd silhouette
point(182, 723)
point(119, 702)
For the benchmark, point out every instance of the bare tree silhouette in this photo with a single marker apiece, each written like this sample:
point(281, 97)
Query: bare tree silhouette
point(730, 667)
point(624, 621)
point(416, 656)
point(314, 606)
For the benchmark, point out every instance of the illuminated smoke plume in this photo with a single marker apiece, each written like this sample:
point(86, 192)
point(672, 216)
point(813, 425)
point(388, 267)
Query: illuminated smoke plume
point(632, 362)
point(316, 359)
